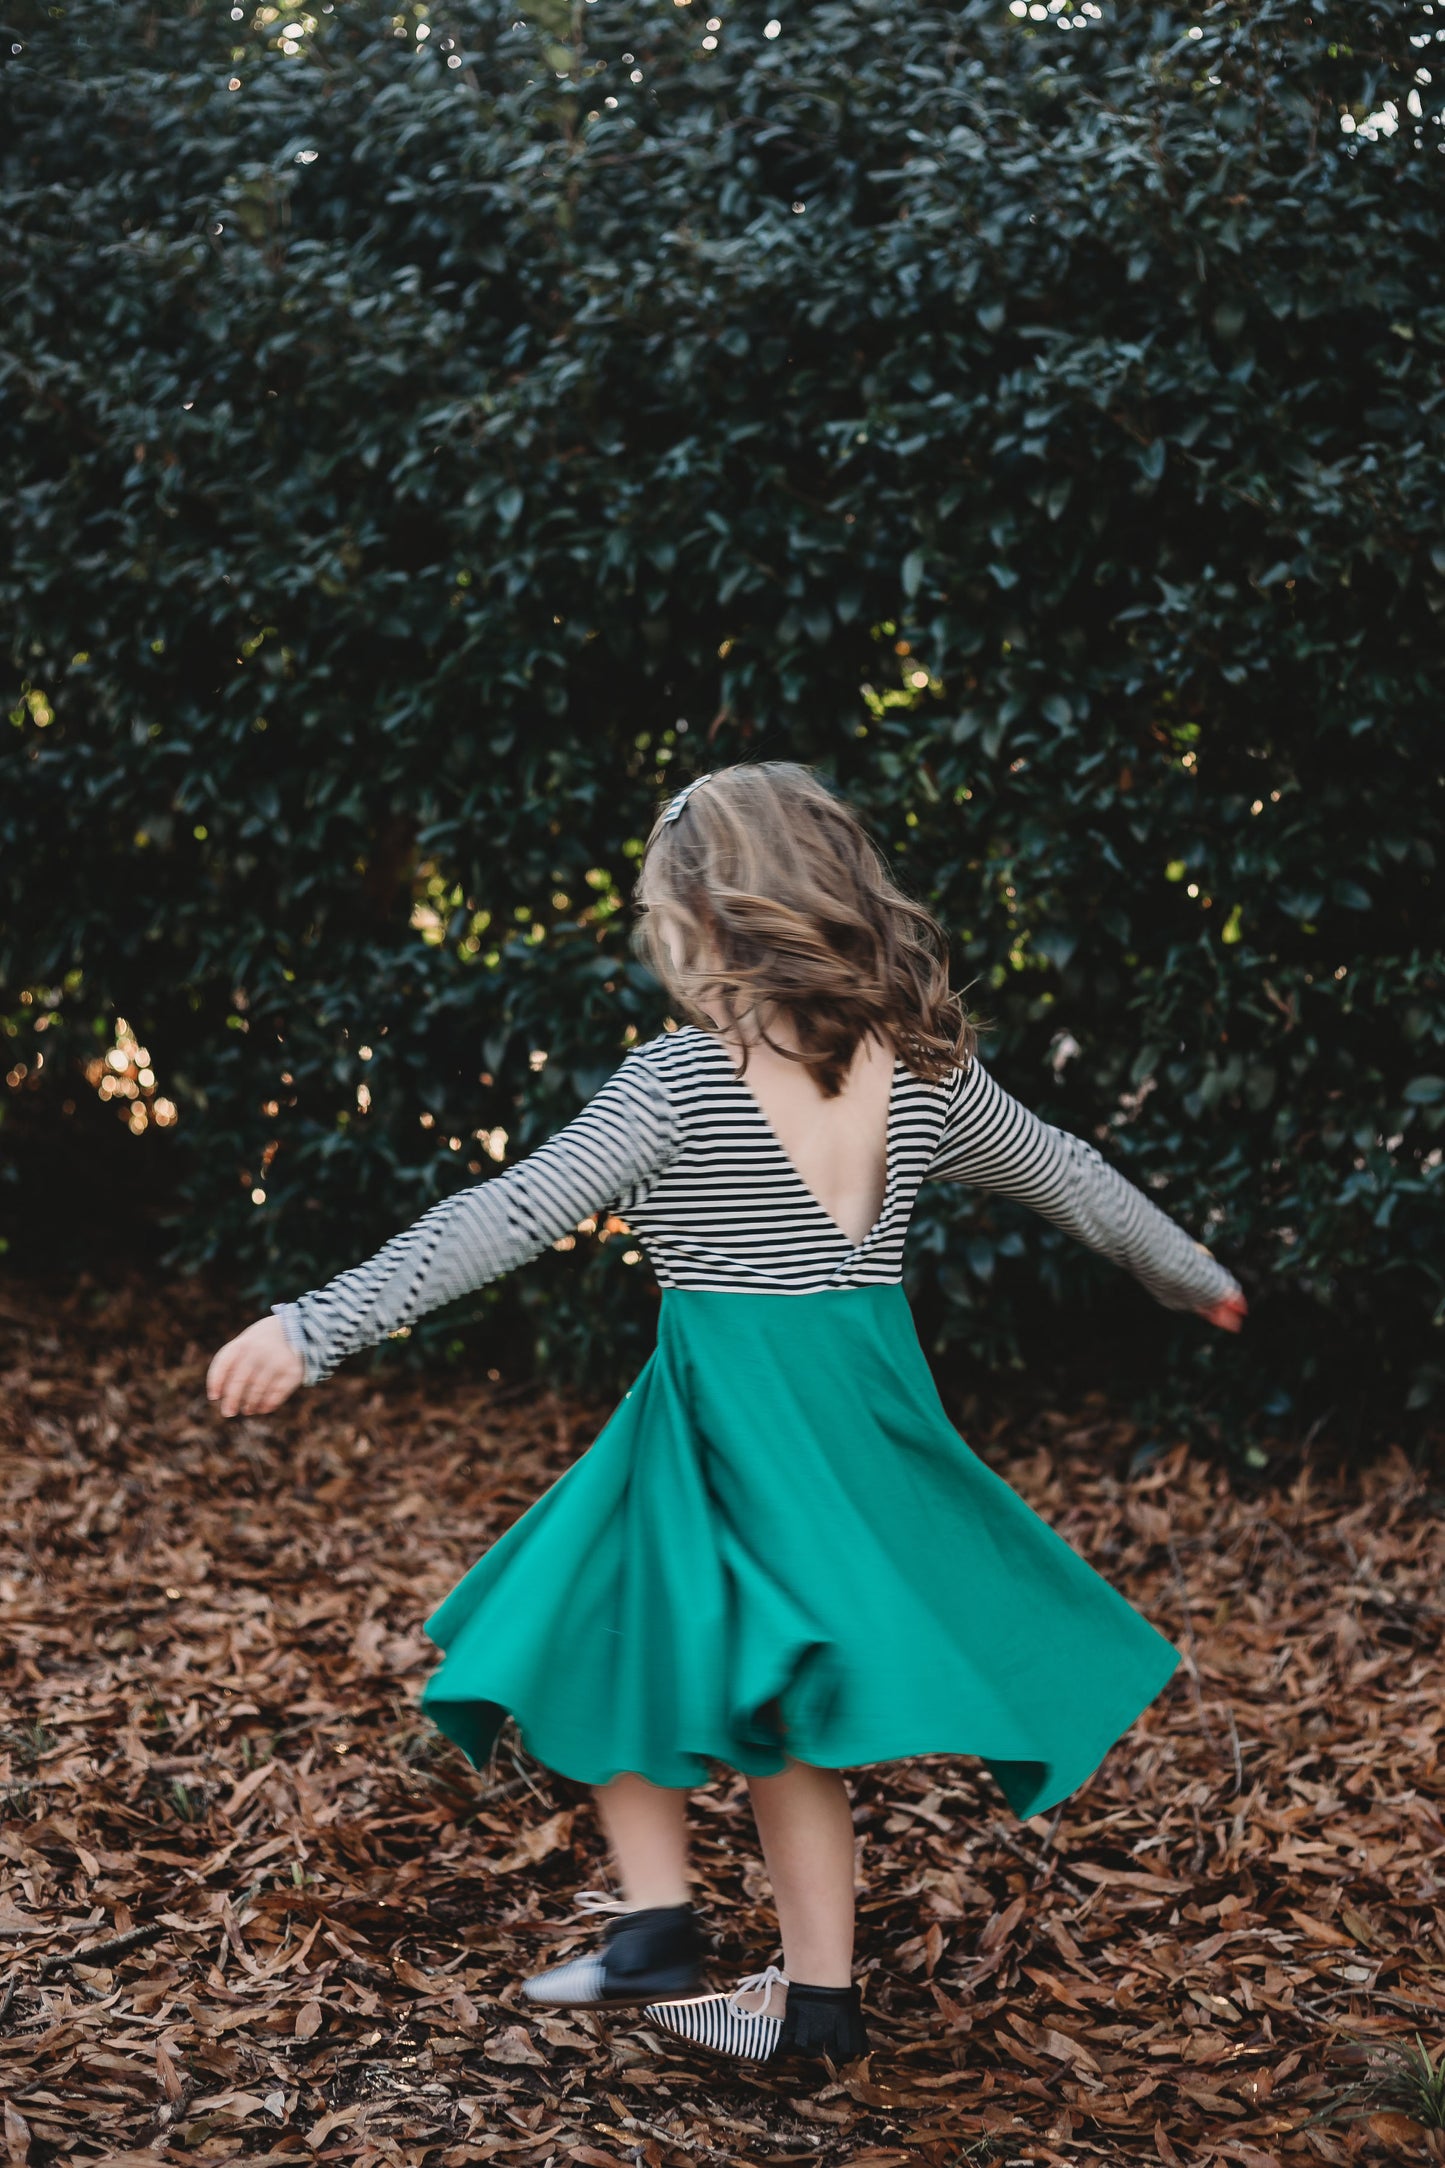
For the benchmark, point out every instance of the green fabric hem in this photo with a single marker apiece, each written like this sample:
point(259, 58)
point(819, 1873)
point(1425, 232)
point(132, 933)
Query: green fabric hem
point(1030, 1787)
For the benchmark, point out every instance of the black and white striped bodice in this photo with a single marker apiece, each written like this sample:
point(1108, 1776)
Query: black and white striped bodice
point(677, 1144)
point(728, 1209)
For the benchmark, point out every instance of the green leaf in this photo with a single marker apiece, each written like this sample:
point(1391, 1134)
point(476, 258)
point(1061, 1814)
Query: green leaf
point(1057, 943)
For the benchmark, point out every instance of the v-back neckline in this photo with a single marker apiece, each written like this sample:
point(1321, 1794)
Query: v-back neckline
point(791, 1164)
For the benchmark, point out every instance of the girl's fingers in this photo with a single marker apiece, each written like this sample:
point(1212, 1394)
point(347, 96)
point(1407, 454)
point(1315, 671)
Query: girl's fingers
point(258, 1394)
point(253, 1373)
point(1228, 1315)
point(266, 1391)
point(225, 1375)
point(250, 1394)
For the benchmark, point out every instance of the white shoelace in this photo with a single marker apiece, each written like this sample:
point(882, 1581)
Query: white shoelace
point(757, 1982)
point(592, 1901)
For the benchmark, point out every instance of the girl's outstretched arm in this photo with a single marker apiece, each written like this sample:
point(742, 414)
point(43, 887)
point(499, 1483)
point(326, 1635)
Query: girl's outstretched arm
point(991, 1141)
point(622, 1137)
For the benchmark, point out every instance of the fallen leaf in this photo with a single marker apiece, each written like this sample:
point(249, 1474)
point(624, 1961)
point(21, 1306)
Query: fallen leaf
point(514, 2045)
point(248, 1784)
point(538, 1842)
point(17, 2135)
point(559, 2034)
point(1164, 2149)
point(1320, 1930)
point(168, 2074)
point(321, 2130)
point(1154, 1885)
point(1001, 1926)
point(1401, 2133)
point(1065, 2049)
point(1358, 1926)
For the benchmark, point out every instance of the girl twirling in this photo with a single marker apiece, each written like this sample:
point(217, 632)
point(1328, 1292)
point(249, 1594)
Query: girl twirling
point(779, 1554)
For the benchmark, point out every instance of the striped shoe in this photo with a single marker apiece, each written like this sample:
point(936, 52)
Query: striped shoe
point(644, 1954)
point(823, 2024)
point(735, 2025)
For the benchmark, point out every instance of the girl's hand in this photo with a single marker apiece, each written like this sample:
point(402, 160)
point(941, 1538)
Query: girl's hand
point(256, 1371)
point(1229, 1315)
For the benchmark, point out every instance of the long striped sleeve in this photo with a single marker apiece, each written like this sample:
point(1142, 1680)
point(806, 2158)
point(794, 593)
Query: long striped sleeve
point(992, 1142)
point(625, 1134)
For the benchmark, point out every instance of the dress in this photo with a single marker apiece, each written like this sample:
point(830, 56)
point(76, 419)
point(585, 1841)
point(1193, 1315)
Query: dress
point(778, 1545)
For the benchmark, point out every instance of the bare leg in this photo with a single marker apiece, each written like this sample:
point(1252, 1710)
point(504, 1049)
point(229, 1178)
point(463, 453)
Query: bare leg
point(806, 1826)
point(646, 1826)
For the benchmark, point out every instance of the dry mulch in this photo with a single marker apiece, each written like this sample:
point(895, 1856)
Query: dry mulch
point(259, 1910)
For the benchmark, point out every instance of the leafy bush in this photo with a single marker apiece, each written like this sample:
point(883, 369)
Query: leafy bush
point(432, 434)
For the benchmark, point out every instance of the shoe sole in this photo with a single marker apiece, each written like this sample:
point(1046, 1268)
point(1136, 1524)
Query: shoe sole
point(613, 2002)
point(718, 2057)
point(786, 2054)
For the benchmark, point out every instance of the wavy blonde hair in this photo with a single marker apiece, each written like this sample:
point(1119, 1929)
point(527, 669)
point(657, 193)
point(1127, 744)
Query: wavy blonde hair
point(764, 896)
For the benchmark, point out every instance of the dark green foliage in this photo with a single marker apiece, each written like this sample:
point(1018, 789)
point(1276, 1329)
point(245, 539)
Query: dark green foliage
point(400, 452)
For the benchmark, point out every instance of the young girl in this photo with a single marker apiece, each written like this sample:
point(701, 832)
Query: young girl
point(779, 1554)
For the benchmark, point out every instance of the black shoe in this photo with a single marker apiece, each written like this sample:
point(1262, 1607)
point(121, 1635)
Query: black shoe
point(824, 2021)
point(645, 1955)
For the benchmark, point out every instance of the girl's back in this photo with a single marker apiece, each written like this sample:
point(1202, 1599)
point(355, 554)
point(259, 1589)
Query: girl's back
point(839, 1146)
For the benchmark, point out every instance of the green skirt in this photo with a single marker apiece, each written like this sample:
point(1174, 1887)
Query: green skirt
point(779, 1546)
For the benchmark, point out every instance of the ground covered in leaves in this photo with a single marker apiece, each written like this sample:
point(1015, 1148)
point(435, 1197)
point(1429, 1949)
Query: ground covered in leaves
point(254, 1909)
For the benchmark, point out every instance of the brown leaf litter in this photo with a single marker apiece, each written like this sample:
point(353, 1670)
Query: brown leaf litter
point(255, 1909)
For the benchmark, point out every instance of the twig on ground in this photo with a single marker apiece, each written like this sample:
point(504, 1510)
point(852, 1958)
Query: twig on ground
point(1039, 1861)
point(96, 1953)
